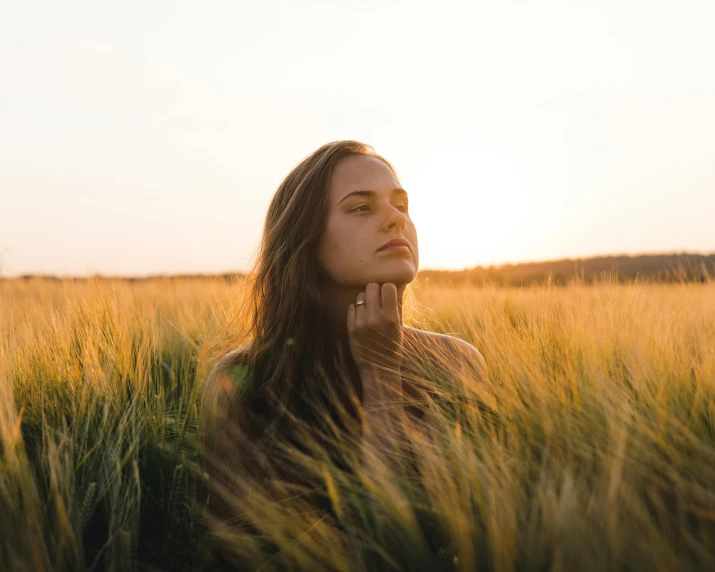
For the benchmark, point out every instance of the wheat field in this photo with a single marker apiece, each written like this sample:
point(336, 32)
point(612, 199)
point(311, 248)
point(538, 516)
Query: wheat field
point(603, 457)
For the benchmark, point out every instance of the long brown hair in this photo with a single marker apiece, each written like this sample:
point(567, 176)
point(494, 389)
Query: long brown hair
point(290, 362)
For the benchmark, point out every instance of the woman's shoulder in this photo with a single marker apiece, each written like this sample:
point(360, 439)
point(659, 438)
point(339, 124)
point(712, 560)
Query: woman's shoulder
point(459, 352)
point(234, 365)
point(227, 376)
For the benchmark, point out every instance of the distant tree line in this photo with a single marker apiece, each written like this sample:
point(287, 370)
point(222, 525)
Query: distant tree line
point(669, 268)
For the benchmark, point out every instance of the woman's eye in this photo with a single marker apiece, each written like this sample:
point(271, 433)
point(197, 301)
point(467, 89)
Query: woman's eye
point(404, 208)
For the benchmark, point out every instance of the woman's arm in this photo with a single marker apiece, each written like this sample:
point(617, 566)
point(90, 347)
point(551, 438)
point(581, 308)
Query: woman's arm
point(225, 451)
point(220, 434)
point(382, 434)
point(383, 412)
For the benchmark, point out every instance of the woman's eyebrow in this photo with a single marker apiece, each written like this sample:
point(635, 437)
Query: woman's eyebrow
point(397, 191)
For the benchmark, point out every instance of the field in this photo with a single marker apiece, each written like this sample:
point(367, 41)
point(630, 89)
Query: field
point(603, 456)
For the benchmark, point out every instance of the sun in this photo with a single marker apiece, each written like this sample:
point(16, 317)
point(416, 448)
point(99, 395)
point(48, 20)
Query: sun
point(470, 201)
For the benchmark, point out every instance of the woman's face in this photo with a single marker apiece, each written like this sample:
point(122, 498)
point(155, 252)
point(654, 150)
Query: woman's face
point(367, 208)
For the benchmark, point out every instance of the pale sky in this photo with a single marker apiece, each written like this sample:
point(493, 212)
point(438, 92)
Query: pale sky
point(149, 137)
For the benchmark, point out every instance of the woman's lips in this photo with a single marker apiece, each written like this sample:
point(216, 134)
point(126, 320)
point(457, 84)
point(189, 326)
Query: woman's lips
point(395, 248)
point(393, 243)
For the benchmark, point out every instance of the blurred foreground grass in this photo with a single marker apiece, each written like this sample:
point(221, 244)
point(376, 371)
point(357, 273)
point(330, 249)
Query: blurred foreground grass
point(604, 457)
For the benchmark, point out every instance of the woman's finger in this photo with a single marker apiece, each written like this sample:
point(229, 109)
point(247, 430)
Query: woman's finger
point(372, 297)
point(389, 300)
point(360, 311)
point(400, 293)
point(351, 318)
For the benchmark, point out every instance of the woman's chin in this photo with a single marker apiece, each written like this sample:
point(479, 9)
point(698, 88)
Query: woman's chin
point(398, 273)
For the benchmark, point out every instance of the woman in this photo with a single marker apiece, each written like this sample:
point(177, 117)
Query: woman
point(325, 332)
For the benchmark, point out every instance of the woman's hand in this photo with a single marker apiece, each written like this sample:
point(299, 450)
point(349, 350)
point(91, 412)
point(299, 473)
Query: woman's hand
point(375, 337)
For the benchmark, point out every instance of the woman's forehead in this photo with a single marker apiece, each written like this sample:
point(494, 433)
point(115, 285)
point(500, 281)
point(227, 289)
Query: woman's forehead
point(360, 172)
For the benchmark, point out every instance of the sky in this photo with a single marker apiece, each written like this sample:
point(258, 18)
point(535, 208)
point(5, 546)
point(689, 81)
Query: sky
point(145, 138)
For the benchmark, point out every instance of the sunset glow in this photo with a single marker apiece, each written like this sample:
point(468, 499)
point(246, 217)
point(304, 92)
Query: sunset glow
point(150, 139)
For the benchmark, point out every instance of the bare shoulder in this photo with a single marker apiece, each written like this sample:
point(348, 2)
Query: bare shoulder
point(461, 353)
point(223, 373)
point(220, 387)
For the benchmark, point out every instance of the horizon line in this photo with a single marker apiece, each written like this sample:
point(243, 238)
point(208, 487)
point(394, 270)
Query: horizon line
point(245, 273)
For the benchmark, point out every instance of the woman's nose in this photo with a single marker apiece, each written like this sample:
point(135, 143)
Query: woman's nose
point(395, 217)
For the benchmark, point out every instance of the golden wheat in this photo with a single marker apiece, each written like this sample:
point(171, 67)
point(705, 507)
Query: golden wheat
point(590, 446)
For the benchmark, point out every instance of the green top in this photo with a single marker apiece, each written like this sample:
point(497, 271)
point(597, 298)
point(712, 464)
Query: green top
point(239, 375)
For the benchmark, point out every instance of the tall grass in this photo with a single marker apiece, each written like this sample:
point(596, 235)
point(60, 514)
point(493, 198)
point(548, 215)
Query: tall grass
point(590, 445)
